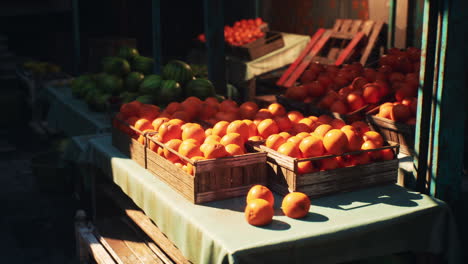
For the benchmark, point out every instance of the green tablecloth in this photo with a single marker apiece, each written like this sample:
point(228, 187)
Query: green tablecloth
point(72, 116)
point(372, 222)
point(239, 70)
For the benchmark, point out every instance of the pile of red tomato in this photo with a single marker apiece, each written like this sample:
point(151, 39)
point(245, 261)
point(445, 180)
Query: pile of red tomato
point(242, 32)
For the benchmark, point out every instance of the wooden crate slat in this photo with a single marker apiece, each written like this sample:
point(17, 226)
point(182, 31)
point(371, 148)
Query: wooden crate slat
point(100, 255)
point(345, 27)
point(294, 65)
point(145, 223)
point(367, 27)
point(308, 59)
point(337, 25)
point(371, 42)
point(347, 51)
point(355, 26)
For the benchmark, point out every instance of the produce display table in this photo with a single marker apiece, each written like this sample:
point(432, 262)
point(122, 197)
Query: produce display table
point(345, 227)
point(71, 115)
point(246, 70)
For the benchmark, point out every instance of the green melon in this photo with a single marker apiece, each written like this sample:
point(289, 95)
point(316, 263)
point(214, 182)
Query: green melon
point(201, 88)
point(146, 99)
point(151, 84)
point(133, 81)
point(127, 53)
point(179, 71)
point(142, 64)
point(116, 66)
point(78, 85)
point(170, 91)
point(127, 97)
point(110, 84)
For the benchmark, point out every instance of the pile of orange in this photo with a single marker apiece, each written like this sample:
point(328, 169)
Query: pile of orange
point(324, 135)
point(351, 87)
point(260, 203)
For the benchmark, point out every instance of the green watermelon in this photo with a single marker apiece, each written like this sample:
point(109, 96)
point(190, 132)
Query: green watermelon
point(127, 97)
point(178, 71)
point(199, 70)
point(99, 103)
point(78, 84)
point(127, 53)
point(116, 66)
point(170, 91)
point(201, 88)
point(146, 99)
point(143, 64)
point(151, 84)
point(110, 84)
point(133, 81)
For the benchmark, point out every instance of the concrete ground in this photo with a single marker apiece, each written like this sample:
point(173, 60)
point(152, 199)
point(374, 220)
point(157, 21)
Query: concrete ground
point(35, 227)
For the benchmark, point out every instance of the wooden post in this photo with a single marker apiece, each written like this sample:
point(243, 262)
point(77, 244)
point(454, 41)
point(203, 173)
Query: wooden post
point(156, 22)
point(76, 37)
point(257, 8)
point(449, 113)
point(391, 23)
point(214, 28)
point(426, 81)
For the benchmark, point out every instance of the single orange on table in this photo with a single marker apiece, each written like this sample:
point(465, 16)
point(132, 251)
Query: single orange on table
point(295, 205)
point(259, 212)
point(260, 192)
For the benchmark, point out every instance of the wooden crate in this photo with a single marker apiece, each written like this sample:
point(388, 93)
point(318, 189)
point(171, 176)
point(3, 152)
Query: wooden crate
point(392, 131)
point(259, 47)
point(213, 179)
point(128, 145)
point(283, 177)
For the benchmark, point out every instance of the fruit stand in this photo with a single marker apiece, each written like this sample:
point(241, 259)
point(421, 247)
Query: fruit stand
point(182, 164)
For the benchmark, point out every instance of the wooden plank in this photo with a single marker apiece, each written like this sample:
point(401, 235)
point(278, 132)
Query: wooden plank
point(98, 252)
point(367, 27)
point(299, 59)
point(351, 46)
point(355, 26)
point(337, 25)
point(346, 26)
point(371, 42)
point(145, 223)
point(308, 59)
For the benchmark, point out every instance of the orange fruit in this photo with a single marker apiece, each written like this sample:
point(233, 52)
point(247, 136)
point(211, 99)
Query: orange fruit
point(188, 168)
point(348, 127)
point(289, 149)
point(373, 136)
point(335, 142)
point(148, 111)
point(305, 167)
point(129, 109)
point(239, 127)
point(328, 164)
point(208, 132)
point(234, 150)
point(179, 122)
point(213, 151)
point(161, 151)
point(207, 111)
point(227, 104)
point(283, 123)
point(375, 155)
point(212, 101)
point(194, 132)
point(256, 138)
point(361, 159)
point(143, 124)
point(311, 146)
point(300, 127)
point(295, 116)
point(295, 140)
point(260, 192)
point(385, 110)
point(400, 113)
point(306, 121)
point(371, 94)
point(132, 120)
point(321, 130)
point(295, 205)
point(263, 114)
point(387, 154)
point(193, 99)
point(168, 131)
point(325, 119)
point(185, 125)
point(219, 129)
point(189, 149)
point(355, 101)
point(159, 121)
point(337, 123)
point(339, 107)
point(297, 93)
point(259, 212)
point(248, 110)
point(232, 138)
point(354, 140)
point(274, 141)
point(360, 127)
point(267, 127)
point(212, 138)
point(182, 115)
point(252, 127)
point(285, 135)
point(411, 121)
point(302, 135)
point(173, 144)
point(173, 107)
point(229, 115)
point(277, 109)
